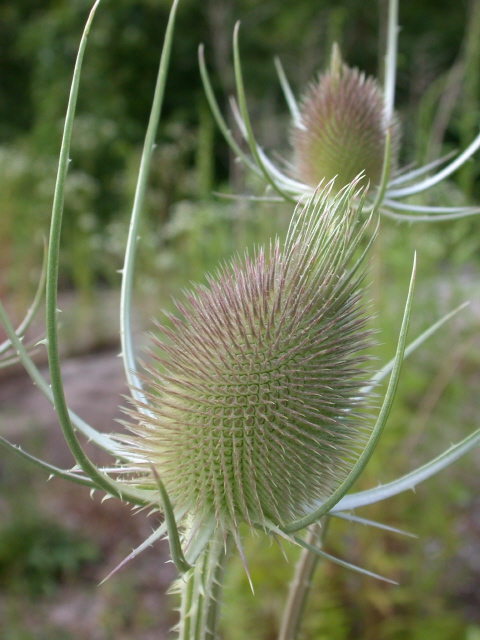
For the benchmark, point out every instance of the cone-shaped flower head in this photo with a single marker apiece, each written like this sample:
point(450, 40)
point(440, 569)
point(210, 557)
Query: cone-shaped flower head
point(255, 409)
point(342, 128)
point(344, 125)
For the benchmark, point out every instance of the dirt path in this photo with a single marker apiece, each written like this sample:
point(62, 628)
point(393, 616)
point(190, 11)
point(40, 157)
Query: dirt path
point(132, 603)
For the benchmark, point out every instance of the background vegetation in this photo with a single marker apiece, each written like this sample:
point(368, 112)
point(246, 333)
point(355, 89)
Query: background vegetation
point(187, 230)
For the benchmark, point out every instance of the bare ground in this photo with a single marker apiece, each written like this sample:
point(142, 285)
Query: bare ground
point(132, 603)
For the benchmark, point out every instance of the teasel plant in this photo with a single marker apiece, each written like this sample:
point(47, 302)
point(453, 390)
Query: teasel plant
point(339, 128)
point(254, 408)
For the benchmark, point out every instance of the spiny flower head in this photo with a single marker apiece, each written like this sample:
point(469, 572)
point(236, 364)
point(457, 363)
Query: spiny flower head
point(344, 125)
point(342, 128)
point(255, 407)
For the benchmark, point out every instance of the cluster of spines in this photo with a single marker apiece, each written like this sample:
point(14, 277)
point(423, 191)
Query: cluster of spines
point(254, 409)
point(342, 128)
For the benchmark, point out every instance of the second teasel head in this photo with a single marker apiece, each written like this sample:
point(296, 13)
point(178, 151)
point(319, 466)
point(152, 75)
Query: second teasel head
point(342, 128)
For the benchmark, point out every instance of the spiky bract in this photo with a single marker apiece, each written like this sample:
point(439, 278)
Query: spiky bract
point(342, 128)
point(255, 407)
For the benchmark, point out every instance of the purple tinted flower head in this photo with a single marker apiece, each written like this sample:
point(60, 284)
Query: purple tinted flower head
point(255, 409)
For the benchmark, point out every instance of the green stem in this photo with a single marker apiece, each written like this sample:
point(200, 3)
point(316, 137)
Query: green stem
point(187, 590)
point(391, 59)
point(100, 480)
point(301, 584)
point(201, 590)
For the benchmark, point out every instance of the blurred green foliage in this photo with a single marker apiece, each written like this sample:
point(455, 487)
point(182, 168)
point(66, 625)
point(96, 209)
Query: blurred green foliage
point(38, 555)
point(39, 42)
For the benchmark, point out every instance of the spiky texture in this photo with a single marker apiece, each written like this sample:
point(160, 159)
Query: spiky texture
point(342, 128)
point(255, 408)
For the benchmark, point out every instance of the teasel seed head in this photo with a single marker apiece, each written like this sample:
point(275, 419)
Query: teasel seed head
point(342, 128)
point(255, 409)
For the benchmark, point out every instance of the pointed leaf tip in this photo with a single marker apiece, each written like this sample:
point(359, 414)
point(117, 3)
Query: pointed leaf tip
point(173, 537)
